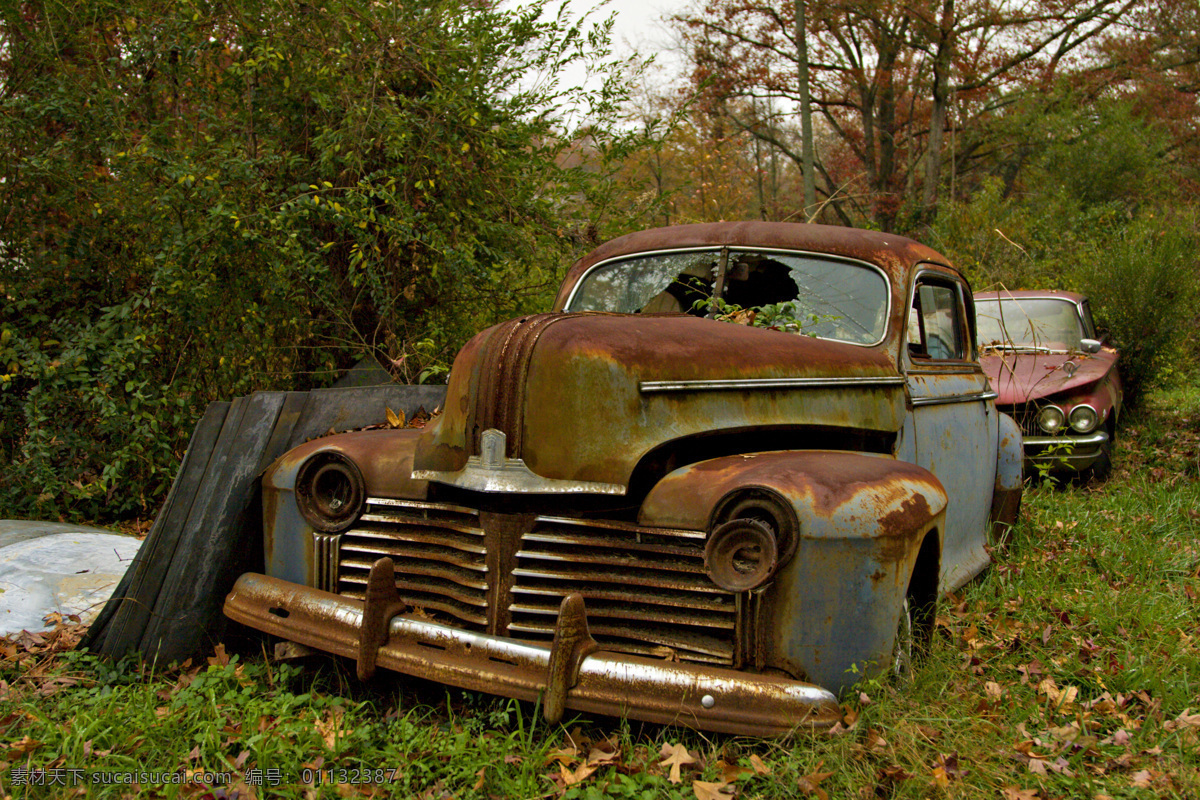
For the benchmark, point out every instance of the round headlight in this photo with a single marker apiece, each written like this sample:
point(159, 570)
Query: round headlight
point(741, 555)
point(1051, 419)
point(330, 492)
point(1083, 418)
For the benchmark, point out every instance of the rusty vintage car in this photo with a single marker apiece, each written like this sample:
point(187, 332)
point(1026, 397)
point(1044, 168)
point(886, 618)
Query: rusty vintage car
point(1054, 376)
point(630, 506)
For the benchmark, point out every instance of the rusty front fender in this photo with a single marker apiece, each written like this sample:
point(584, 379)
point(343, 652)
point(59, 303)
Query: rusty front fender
point(383, 456)
point(1010, 476)
point(831, 612)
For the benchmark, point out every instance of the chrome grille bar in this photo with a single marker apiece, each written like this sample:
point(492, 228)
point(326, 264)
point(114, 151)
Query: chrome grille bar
point(645, 588)
point(439, 553)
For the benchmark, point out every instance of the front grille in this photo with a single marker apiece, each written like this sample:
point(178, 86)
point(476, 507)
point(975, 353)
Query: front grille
point(438, 550)
point(1026, 419)
point(645, 589)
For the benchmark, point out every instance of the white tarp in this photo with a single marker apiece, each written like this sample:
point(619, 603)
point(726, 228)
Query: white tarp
point(48, 567)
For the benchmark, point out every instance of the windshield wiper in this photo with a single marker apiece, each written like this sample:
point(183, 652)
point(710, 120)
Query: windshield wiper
point(1019, 348)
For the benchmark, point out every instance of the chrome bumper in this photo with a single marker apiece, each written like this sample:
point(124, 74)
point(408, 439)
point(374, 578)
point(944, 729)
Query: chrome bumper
point(1068, 452)
point(572, 673)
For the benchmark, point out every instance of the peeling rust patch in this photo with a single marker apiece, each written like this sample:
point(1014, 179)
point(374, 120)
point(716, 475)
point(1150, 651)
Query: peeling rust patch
point(913, 512)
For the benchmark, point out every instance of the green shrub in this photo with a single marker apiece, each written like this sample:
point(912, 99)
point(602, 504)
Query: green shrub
point(203, 200)
point(1144, 287)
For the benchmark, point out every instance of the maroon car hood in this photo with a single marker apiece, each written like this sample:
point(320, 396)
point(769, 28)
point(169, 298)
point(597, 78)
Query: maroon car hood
point(1021, 377)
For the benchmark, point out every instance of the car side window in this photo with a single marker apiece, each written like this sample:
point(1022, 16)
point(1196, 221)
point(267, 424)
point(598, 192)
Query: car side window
point(1089, 325)
point(935, 326)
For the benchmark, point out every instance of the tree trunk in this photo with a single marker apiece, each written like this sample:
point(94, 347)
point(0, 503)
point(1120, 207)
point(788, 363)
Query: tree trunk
point(807, 155)
point(937, 116)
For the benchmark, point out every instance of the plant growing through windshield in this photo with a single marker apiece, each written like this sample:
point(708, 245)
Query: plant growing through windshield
point(786, 316)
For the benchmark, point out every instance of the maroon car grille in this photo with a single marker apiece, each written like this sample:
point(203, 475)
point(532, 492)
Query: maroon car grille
point(1026, 418)
point(645, 589)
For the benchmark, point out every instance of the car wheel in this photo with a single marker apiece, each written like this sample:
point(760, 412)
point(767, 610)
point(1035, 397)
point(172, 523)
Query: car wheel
point(1102, 467)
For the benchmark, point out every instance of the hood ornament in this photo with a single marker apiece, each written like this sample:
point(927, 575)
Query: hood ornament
point(493, 471)
point(1070, 367)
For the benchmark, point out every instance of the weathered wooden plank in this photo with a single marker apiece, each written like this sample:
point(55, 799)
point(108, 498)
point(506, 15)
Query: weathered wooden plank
point(219, 535)
point(209, 530)
point(119, 626)
point(346, 409)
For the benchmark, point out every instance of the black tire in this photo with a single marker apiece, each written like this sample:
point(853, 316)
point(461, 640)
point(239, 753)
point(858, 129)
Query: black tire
point(1099, 471)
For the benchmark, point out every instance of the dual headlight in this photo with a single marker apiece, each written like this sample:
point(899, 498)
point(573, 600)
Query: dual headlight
point(1082, 419)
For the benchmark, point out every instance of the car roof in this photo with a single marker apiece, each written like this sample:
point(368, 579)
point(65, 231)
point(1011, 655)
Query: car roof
point(892, 253)
point(1024, 294)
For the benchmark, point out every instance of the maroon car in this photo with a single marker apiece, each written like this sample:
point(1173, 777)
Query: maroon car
point(1053, 375)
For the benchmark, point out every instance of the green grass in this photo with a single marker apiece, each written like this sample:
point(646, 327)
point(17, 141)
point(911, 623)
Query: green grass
point(1070, 669)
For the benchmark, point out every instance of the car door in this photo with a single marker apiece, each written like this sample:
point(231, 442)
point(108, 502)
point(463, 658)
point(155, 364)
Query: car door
point(953, 415)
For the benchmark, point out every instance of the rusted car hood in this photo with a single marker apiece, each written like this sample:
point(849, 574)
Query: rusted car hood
point(1022, 377)
point(585, 396)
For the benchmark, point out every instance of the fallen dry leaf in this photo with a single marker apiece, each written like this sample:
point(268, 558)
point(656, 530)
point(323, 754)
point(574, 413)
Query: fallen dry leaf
point(874, 741)
point(219, 657)
point(330, 728)
point(22, 746)
point(712, 791)
point(578, 775)
point(603, 752)
point(1142, 778)
point(676, 756)
point(1119, 738)
point(732, 772)
point(949, 763)
point(894, 774)
point(758, 766)
point(1184, 720)
point(563, 755)
point(54, 685)
point(1013, 793)
point(811, 783)
point(1061, 699)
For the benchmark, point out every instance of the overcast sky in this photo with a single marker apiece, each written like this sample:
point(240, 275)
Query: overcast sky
point(639, 27)
point(639, 22)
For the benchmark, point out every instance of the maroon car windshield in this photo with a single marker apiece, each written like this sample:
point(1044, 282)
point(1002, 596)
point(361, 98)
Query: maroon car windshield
point(800, 293)
point(1028, 323)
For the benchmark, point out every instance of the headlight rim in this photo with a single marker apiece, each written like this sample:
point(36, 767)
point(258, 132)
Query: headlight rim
point(1051, 408)
point(1088, 407)
point(756, 506)
point(313, 492)
point(726, 543)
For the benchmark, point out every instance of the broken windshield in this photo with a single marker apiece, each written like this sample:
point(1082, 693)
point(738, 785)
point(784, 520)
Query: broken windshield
point(815, 296)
